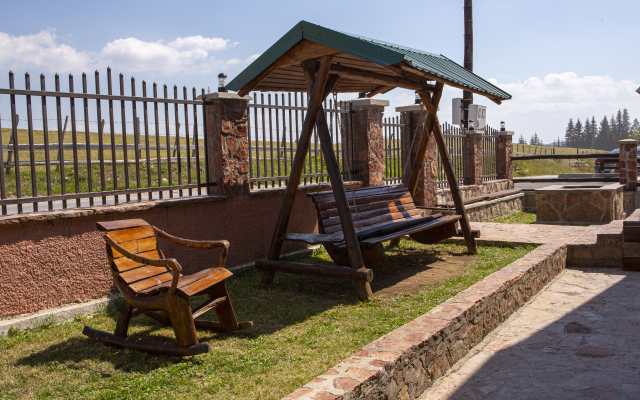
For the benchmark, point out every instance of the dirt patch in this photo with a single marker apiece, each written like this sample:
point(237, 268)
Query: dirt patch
point(392, 278)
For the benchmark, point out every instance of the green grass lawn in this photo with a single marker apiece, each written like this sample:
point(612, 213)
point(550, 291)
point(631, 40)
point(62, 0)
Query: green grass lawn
point(549, 167)
point(521, 217)
point(303, 326)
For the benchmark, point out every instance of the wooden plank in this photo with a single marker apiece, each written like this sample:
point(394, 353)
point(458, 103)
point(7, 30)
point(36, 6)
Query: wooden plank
point(126, 235)
point(376, 78)
point(137, 246)
point(375, 220)
point(209, 305)
point(298, 161)
point(485, 197)
point(314, 238)
point(317, 270)
point(364, 215)
point(123, 264)
point(396, 225)
point(121, 224)
point(151, 282)
point(379, 90)
point(432, 106)
point(215, 276)
point(412, 229)
point(368, 207)
point(327, 205)
point(169, 349)
point(359, 193)
point(142, 272)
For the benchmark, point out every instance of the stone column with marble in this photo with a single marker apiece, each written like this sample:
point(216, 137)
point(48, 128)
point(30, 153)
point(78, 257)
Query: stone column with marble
point(473, 158)
point(227, 144)
point(427, 188)
point(505, 150)
point(367, 141)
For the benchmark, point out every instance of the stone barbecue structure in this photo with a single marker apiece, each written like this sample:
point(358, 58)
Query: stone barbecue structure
point(579, 204)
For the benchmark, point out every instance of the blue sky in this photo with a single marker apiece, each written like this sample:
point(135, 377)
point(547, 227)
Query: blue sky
point(559, 59)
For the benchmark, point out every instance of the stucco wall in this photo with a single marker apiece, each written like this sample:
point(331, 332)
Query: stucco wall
point(51, 259)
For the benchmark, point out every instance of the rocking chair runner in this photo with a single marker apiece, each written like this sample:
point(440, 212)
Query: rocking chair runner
point(155, 287)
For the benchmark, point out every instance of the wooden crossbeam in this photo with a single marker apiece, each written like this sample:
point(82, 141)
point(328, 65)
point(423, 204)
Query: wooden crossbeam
point(379, 90)
point(376, 78)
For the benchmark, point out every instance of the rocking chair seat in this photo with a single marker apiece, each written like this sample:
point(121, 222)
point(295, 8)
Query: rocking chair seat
point(154, 286)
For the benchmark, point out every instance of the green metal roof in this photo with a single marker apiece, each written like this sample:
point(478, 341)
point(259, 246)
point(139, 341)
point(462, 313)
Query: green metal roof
point(375, 51)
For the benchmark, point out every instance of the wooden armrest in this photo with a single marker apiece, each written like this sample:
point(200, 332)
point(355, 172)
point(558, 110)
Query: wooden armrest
point(167, 262)
point(198, 244)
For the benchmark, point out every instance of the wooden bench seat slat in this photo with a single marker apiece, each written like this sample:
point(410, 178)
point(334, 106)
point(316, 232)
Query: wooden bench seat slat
point(142, 272)
point(363, 215)
point(212, 275)
point(124, 264)
point(122, 224)
point(127, 235)
point(411, 229)
point(327, 205)
point(137, 246)
point(151, 282)
point(368, 207)
point(314, 238)
point(348, 189)
point(375, 220)
point(358, 193)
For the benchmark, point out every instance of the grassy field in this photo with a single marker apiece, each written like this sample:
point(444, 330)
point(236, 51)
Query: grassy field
point(521, 217)
point(533, 149)
point(303, 326)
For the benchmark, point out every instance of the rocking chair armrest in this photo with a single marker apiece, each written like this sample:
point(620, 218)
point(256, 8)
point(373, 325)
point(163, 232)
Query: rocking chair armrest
point(171, 263)
point(198, 244)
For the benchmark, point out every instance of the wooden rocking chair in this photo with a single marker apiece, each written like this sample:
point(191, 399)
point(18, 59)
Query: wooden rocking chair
point(154, 286)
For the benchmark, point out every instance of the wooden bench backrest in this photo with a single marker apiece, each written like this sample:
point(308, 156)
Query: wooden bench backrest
point(138, 237)
point(374, 205)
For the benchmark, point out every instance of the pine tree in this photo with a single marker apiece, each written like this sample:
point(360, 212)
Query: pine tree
point(634, 131)
point(620, 126)
point(522, 140)
point(578, 134)
point(586, 143)
point(569, 134)
point(614, 127)
point(603, 141)
point(626, 124)
point(594, 132)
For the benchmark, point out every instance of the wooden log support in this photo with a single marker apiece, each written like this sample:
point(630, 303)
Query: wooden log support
point(317, 270)
point(377, 78)
point(297, 165)
point(434, 126)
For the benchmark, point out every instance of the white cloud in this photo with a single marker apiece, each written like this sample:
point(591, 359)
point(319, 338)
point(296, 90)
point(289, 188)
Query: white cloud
point(544, 105)
point(41, 52)
point(186, 55)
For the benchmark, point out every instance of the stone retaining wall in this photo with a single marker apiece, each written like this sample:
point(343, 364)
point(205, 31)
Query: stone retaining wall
point(444, 195)
point(405, 362)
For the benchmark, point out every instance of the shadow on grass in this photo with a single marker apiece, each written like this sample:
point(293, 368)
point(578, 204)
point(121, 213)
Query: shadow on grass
point(289, 300)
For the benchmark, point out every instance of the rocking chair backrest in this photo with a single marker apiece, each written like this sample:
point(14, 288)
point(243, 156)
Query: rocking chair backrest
point(138, 237)
point(373, 205)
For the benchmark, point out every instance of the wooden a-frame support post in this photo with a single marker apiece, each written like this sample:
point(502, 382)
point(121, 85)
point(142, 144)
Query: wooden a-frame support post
point(315, 116)
point(433, 125)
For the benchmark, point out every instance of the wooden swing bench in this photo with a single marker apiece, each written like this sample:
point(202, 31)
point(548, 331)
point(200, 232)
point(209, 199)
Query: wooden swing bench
point(379, 214)
point(154, 286)
point(354, 223)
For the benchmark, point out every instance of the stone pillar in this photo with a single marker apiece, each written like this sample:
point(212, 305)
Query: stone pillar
point(368, 141)
point(473, 158)
point(505, 150)
point(227, 145)
point(427, 188)
point(628, 164)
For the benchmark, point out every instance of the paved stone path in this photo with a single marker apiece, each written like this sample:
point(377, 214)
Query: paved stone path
point(579, 339)
point(526, 233)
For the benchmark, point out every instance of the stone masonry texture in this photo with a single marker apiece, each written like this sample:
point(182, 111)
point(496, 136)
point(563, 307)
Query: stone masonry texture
point(505, 151)
point(404, 363)
point(368, 144)
point(559, 205)
point(228, 147)
point(473, 159)
point(628, 162)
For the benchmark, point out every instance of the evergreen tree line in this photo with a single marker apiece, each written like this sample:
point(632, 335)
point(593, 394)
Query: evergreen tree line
point(534, 141)
point(602, 136)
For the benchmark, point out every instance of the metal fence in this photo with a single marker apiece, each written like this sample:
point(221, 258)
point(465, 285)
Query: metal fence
point(122, 146)
point(274, 127)
point(489, 154)
point(395, 148)
point(455, 142)
point(398, 140)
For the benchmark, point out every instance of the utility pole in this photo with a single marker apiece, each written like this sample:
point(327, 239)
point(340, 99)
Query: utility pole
point(467, 97)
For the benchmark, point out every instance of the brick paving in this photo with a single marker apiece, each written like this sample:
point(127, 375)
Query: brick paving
point(578, 339)
point(493, 232)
